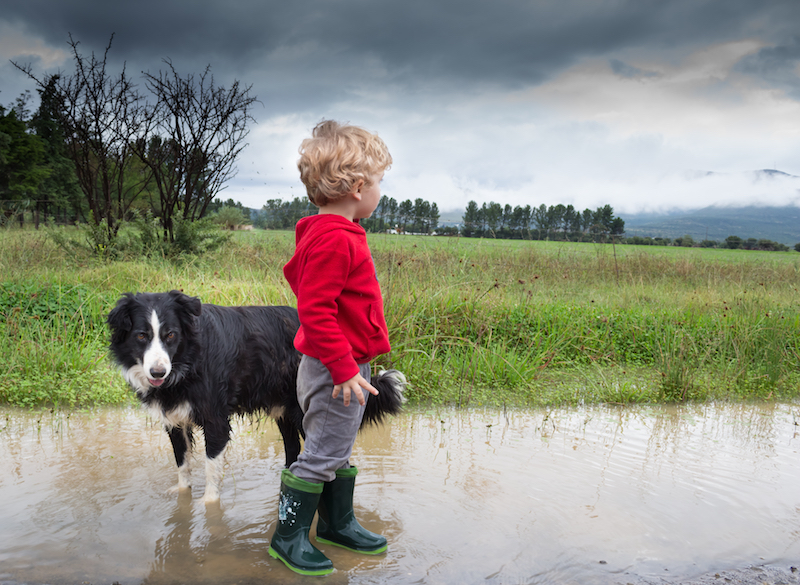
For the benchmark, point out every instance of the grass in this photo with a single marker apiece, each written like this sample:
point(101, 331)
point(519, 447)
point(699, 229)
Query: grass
point(472, 322)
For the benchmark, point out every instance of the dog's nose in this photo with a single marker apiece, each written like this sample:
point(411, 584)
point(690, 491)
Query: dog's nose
point(157, 372)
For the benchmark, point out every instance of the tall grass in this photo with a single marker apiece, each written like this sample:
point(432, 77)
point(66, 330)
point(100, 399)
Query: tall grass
point(471, 321)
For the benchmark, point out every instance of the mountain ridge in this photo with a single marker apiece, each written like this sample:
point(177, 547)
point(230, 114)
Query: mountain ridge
point(777, 223)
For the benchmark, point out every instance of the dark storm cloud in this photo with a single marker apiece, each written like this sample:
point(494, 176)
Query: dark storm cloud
point(517, 101)
point(779, 66)
point(508, 43)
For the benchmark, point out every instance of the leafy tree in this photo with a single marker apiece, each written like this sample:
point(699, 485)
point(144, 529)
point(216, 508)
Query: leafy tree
point(603, 218)
point(617, 226)
point(433, 217)
point(230, 217)
point(733, 242)
point(470, 219)
point(21, 162)
point(390, 212)
point(506, 220)
point(493, 216)
point(421, 220)
point(542, 220)
point(405, 214)
point(555, 216)
point(59, 192)
point(520, 223)
point(100, 116)
point(568, 218)
point(764, 244)
point(587, 220)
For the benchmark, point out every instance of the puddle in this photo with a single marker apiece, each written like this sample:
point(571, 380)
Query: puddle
point(582, 495)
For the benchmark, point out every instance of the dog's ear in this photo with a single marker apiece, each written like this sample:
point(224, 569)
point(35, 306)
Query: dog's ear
point(191, 305)
point(119, 319)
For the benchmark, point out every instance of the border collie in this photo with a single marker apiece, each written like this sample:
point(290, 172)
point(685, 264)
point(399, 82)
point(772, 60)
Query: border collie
point(197, 364)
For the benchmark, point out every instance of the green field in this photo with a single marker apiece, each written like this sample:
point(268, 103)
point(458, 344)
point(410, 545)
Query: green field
point(472, 322)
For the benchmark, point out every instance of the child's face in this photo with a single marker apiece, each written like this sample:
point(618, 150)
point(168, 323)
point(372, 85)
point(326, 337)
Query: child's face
point(370, 196)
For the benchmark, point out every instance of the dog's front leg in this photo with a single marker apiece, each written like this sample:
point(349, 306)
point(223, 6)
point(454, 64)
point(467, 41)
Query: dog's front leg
point(181, 439)
point(217, 437)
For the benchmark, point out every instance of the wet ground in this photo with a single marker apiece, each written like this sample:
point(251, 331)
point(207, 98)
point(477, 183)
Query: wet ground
point(605, 495)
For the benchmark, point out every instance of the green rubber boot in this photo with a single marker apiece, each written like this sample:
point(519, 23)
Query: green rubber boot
point(290, 543)
point(337, 523)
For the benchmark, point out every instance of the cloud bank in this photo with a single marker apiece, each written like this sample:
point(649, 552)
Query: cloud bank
point(582, 102)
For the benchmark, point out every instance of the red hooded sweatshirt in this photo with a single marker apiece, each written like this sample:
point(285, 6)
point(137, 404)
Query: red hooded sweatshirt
point(338, 296)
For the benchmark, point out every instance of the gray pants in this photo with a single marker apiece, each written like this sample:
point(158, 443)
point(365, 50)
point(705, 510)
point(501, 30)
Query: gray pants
point(330, 426)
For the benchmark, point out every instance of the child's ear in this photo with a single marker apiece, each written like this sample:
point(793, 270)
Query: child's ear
point(357, 189)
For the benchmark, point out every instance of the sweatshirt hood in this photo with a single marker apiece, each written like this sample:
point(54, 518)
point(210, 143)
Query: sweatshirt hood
point(308, 231)
point(310, 228)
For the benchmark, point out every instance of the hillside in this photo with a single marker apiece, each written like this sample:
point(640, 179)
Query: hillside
point(779, 224)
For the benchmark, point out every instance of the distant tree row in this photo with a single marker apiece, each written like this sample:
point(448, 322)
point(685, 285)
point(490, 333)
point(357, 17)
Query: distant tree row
point(277, 214)
point(730, 243)
point(418, 216)
point(556, 222)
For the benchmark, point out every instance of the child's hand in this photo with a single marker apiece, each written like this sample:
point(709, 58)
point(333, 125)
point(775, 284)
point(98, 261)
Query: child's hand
point(354, 384)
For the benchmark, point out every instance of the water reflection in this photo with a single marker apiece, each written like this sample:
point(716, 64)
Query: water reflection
point(584, 495)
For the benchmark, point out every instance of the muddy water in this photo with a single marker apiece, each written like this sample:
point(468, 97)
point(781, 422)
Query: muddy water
point(585, 495)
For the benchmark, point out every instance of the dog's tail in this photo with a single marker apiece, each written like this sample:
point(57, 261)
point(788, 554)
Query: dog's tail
point(389, 402)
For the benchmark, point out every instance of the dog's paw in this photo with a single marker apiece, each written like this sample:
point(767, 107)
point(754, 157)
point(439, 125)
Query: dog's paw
point(211, 496)
point(179, 488)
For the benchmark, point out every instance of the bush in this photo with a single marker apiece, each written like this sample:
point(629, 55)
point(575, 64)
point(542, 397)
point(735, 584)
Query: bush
point(197, 237)
point(142, 236)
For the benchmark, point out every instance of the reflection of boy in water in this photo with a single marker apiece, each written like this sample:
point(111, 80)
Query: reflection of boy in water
point(342, 328)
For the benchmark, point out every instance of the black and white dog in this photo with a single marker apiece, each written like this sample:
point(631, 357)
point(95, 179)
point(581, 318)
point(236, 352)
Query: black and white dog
point(195, 364)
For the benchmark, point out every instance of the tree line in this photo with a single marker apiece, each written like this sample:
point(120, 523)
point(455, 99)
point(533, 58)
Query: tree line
point(730, 243)
point(418, 216)
point(554, 222)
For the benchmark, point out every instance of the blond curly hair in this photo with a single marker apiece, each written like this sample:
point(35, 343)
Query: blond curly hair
point(336, 157)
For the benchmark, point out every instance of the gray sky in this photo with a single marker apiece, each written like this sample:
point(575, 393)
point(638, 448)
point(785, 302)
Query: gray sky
point(582, 102)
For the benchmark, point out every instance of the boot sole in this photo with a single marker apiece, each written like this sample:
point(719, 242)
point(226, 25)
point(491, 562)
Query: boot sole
point(376, 551)
point(311, 572)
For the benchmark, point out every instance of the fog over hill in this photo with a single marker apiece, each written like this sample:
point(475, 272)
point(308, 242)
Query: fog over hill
point(771, 212)
point(779, 224)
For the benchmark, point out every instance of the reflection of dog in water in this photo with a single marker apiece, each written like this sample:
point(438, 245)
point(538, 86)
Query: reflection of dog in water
point(195, 364)
point(197, 548)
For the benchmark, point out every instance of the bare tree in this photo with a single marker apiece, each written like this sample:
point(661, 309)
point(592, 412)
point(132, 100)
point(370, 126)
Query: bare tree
point(100, 115)
point(194, 132)
point(183, 143)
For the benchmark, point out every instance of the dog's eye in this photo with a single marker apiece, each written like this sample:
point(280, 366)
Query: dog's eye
point(170, 336)
point(141, 336)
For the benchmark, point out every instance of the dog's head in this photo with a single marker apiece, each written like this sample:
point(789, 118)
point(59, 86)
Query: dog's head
point(148, 330)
